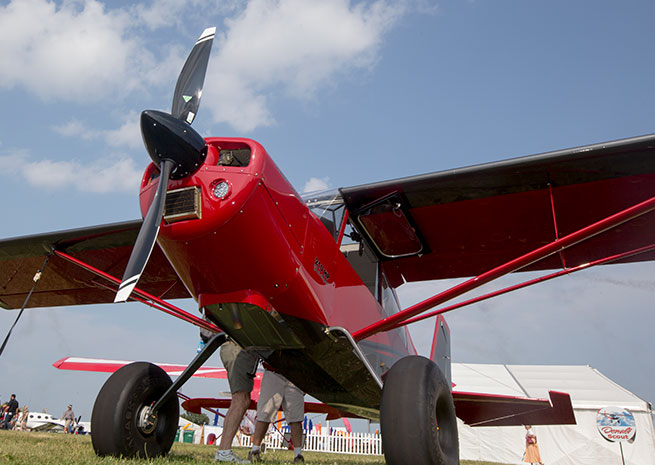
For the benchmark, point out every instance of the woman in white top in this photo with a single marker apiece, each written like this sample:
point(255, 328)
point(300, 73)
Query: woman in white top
point(531, 448)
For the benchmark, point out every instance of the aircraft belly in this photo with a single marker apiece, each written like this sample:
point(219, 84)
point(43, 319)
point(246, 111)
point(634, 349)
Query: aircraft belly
point(332, 372)
point(321, 361)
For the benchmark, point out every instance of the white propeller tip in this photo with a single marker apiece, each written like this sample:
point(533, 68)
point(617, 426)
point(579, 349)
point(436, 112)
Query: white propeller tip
point(207, 34)
point(126, 288)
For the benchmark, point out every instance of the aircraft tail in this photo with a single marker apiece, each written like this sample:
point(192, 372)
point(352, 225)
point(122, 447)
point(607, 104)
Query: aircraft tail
point(440, 352)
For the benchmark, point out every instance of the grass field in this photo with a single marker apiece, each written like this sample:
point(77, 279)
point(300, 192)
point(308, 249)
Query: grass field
point(19, 448)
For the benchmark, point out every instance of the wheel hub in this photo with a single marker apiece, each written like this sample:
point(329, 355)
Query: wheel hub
point(146, 420)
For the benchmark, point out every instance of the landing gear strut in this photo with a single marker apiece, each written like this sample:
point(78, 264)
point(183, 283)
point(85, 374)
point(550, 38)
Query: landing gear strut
point(136, 412)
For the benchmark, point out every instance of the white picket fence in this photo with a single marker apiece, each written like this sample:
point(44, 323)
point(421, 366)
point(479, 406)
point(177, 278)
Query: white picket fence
point(347, 443)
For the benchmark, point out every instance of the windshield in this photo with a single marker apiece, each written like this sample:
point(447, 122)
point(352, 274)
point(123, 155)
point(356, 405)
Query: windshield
point(328, 206)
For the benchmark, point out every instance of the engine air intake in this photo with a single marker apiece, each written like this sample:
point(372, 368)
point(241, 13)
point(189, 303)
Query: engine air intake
point(183, 204)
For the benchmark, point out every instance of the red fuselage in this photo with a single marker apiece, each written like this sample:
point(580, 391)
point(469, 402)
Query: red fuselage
point(261, 245)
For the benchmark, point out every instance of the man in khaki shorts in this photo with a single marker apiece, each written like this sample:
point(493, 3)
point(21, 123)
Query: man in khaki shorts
point(241, 366)
point(276, 390)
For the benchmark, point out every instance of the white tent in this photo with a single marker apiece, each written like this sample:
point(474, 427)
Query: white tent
point(579, 444)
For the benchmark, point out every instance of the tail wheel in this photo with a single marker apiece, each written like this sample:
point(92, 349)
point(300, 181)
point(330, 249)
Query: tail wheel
point(417, 415)
point(122, 423)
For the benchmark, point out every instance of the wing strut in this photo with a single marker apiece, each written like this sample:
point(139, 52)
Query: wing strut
point(36, 279)
point(530, 282)
point(557, 245)
point(144, 297)
point(552, 209)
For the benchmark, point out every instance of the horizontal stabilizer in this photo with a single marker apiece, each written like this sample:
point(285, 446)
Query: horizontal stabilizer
point(110, 366)
point(194, 406)
point(477, 409)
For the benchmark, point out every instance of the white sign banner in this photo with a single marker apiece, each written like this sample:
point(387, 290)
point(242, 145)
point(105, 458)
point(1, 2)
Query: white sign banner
point(616, 424)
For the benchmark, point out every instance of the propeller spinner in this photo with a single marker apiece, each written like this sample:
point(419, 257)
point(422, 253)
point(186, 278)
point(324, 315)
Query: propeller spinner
point(175, 147)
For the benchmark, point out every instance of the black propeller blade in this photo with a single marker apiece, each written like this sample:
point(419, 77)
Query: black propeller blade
point(188, 89)
point(175, 147)
point(145, 241)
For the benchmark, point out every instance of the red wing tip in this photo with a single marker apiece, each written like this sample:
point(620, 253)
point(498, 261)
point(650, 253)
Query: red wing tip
point(60, 362)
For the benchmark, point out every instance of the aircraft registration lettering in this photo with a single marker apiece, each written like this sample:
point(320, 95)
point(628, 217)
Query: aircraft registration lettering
point(321, 271)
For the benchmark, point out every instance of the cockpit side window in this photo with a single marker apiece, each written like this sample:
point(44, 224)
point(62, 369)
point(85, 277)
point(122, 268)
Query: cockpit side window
point(328, 206)
point(365, 264)
point(389, 301)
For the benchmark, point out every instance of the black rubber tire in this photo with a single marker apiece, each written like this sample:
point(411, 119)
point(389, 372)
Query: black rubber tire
point(417, 415)
point(114, 429)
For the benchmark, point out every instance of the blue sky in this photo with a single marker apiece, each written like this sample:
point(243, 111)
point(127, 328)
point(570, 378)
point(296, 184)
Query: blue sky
point(340, 93)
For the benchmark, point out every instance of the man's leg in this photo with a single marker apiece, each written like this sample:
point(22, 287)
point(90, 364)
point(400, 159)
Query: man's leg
point(238, 407)
point(261, 427)
point(260, 431)
point(240, 366)
point(296, 438)
point(294, 410)
point(270, 398)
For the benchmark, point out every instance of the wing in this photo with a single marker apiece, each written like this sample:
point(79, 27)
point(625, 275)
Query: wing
point(105, 247)
point(476, 409)
point(45, 426)
point(462, 222)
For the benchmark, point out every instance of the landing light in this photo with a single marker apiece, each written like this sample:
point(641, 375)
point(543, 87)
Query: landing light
point(221, 189)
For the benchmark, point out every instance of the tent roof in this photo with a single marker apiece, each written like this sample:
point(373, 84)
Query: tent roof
point(589, 388)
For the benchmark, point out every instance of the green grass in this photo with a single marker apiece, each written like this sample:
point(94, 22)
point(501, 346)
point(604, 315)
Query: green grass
point(20, 448)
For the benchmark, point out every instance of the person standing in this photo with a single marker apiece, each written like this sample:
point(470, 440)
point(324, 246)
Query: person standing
point(531, 448)
point(69, 418)
point(241, 366)
point(12, 407)
point(278, 391)
point(23, 419)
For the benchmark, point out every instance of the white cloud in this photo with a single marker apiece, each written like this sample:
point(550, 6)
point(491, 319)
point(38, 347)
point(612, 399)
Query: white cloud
point(115, 174)
point(76, 50)
point(87, 50)
point(164, 13)
point(126, 135)
point(13, 160)
point(75, 128)
point(299, 46)
point(316, 184)
point(84, 51)
point(118, 175)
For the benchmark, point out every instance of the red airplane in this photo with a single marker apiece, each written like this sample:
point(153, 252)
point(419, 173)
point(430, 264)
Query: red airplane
point(309, 284)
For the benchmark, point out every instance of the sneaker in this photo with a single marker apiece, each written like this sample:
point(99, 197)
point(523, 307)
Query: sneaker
point(228, 456)
point(299, 459)
point(255, 455)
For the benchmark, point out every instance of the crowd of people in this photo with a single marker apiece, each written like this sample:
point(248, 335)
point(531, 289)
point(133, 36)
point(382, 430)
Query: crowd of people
point(12, 417)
